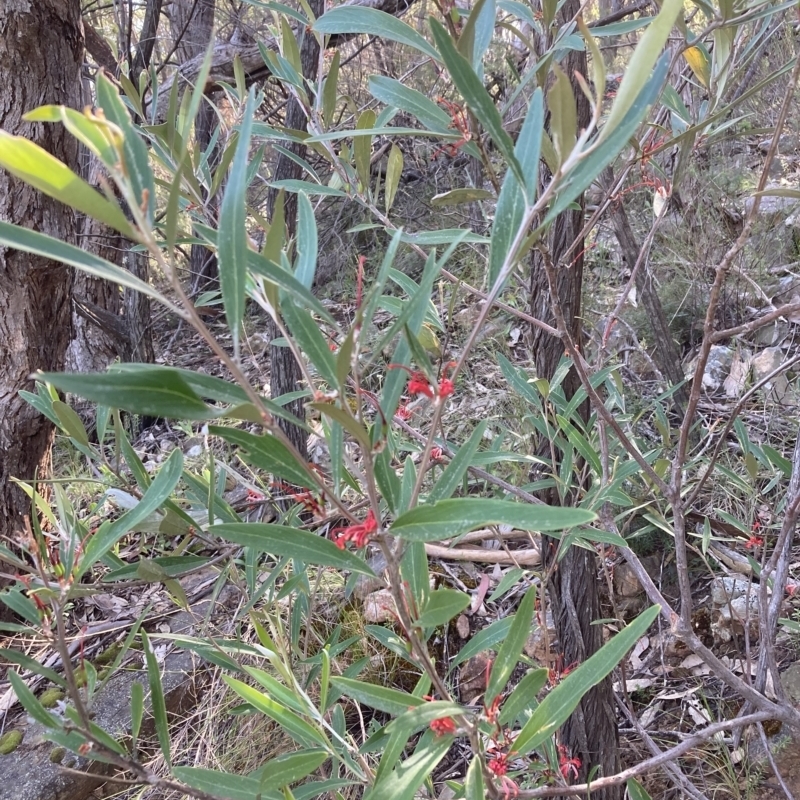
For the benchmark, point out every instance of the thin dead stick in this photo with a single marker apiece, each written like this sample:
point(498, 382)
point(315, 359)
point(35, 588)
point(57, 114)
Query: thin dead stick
point(519, 558)
point(664, 757)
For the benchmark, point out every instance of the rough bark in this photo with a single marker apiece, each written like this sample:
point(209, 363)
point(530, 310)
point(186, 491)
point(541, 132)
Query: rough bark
point(591, 733)
point(249, 53)
point(41, 52)
point(285, 373)
point(193, 25)
point(666, 351)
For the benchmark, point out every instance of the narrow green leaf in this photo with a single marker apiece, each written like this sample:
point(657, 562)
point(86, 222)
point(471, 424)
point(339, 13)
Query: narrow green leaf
point(456, 197)
point(36, 167)
point(232, 238)
point(32, 665)
point(387, 479)
point(394, 169)
point(414, 571)
point(474, 788)
point(137, 713)
point(442, 606)
point(268, 453)
point(295, 726)
point(383, 698)
point(477, 33)
point(281, 540)
point(636, 791)
point(606, 147)
point(394, 93)
point(454, 473)
point(305, 331)
point(511, 649)
point(99, 135)
point(403, 782)
point(641, 64)
point(330, 89)
point(523, 700)
point(40, 244)
point(224, 784)
point(306, 263)
point(449, 518)
point(136, 157)
point(362, 146)
point(511, 203)
point(557, 707)
point(268, 269)
point(157, 699)
point(289, 48)
point(71, 422)
point(354, 19)
point(506, 582)
point(146, 392)
point(289, 768)
point(159, 490)
point(29, 702)
point(474, 92)
point(346, 420)
point(563, 115)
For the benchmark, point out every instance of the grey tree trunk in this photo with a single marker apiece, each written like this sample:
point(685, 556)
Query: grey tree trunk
point(591, 733)
point(285, 373)
point(192, 25)
point(41, 52)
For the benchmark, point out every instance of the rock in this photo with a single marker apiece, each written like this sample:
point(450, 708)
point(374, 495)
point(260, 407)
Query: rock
point(472, 678)
point(777, 389)
point(724, 590)
point(626, 583)
point(379, 607)
point(541, 642)
point(790, 680)
point(462, 626)
point(787, 143)
point(717, 369)
point(736, 601)
point(772, 206)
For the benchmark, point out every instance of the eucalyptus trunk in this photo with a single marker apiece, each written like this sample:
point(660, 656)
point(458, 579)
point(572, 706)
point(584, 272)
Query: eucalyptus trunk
point(590, 734)
point(41, 53)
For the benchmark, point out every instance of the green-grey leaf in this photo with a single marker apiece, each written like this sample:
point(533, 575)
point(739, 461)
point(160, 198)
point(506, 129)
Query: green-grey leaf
point(557, 707)
point(280, 540)
point(232, 238)
point(449, 518)
point(354, 19)
point(146, 392)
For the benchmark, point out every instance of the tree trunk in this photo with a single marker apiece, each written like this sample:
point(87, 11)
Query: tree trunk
point(666, 351)
point(192, 25)
point(591, 733)
point(285, 375)
point(41, 52)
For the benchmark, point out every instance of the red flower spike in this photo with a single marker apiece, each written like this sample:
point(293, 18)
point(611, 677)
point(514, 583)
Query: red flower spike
point(404, 413)
point(444, 726)
point(446, 388)
point(419, 385)
point(498, 766)
point(358, 534)
point(436, 453)
point(754, 541)
point(568, 766)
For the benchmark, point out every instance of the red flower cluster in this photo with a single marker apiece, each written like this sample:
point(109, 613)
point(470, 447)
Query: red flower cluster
point(498, 766)
point(443, 726)
point(358, 534)
point(754, 541)
point(419, 383)
point(568, 766)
